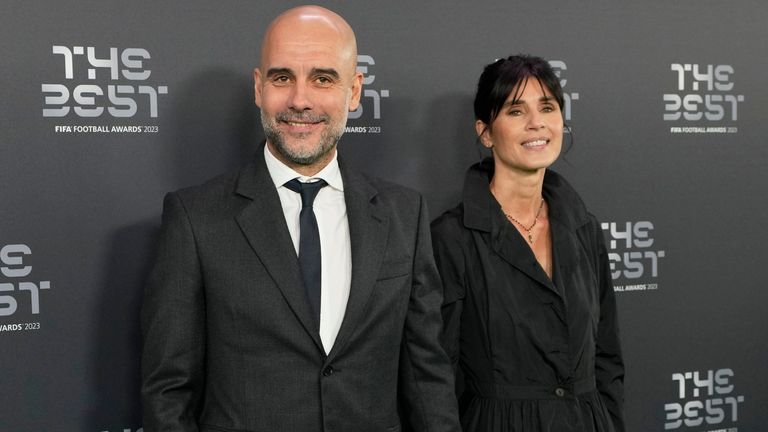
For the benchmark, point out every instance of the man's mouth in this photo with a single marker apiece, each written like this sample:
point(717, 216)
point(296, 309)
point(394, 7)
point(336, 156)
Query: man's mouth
point(299, 124)
point(305, 120)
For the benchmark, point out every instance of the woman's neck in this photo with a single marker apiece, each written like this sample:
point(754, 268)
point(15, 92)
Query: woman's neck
point(518, 193)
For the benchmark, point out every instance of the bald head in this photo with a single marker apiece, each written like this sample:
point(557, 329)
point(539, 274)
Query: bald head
point(306, 85)
point(310, 25)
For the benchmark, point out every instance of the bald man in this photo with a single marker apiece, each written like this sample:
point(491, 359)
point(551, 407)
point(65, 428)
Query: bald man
point(296, 294)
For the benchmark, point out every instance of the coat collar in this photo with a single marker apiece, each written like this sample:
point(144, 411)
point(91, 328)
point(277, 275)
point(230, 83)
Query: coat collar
point(566, 214)
point(481, 209)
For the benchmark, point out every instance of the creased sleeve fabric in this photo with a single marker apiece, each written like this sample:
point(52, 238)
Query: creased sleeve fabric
point(425, 374)
point(173, 328)
point(609, 363)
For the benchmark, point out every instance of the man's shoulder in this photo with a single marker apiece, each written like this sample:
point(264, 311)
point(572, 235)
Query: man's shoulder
point(222, 184)
point(215, 194)
point(391, 189)
point(377, 187)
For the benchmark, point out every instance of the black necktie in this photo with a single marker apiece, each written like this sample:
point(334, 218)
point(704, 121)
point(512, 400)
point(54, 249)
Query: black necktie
point(309, 242)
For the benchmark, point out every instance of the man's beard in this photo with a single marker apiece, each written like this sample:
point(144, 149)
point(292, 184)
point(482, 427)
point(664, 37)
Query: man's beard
point(328, 138)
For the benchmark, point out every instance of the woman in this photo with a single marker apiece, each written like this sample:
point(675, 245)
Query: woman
point(530, 316)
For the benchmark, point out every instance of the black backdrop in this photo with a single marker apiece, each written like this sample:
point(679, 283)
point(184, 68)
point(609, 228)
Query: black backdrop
point(106, 105)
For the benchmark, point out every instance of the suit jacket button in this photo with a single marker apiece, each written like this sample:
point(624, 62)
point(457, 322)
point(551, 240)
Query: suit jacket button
point(559, 392)
point(328, 371)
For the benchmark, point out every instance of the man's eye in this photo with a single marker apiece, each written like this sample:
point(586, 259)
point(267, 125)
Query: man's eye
point(323, 80)
point(281, 79)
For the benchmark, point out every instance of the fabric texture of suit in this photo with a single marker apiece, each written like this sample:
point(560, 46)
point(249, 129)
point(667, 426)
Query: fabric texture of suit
point(229, 339)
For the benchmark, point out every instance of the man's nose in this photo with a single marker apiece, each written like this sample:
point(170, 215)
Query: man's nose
point(300, 99)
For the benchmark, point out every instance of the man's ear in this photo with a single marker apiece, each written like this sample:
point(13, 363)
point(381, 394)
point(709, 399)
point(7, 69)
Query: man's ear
point(357, 89)
point(257, 86)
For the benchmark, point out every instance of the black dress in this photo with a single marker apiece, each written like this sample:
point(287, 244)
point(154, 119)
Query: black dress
point(531, 354)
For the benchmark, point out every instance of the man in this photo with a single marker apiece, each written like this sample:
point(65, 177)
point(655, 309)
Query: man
point(240, 334)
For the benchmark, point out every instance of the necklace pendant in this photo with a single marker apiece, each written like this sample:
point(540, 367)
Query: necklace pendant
point(530, 238)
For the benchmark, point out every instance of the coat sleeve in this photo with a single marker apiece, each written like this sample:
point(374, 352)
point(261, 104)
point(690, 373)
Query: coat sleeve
point(426, 379)
point(609, 363)
point(173, 327)
point(450, 262)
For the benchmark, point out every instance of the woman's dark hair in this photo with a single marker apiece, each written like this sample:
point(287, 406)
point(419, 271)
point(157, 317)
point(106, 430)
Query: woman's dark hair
point(500, 77)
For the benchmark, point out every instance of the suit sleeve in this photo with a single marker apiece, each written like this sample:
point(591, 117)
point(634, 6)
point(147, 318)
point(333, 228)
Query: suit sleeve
point(173, 327)
point(609, 363)
point(426, 378)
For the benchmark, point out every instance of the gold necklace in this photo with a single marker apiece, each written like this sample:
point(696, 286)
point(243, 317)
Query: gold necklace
point(535, 219)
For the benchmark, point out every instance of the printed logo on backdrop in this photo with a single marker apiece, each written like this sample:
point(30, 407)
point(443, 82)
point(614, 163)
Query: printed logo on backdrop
point(367, 117)
point(704, 402)
point(103, 90)
point(633, 255)
point(21, 294)
point(705, 99)
point(560, 67)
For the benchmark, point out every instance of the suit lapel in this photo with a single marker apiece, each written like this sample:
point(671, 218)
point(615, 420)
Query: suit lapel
point(263, 224)
point(368, 227)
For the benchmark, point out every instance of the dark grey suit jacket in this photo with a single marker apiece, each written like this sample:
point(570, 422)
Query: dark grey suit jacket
point(229, 343)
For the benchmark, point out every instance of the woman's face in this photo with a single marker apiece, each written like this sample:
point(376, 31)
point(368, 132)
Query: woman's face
point(527, 134)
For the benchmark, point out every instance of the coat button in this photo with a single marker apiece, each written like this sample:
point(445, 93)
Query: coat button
point(559, 392)
point(328, 371)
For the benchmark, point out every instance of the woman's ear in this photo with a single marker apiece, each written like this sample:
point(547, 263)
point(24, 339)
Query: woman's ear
point(482, 134)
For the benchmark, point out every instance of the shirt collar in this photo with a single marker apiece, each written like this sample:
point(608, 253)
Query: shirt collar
point(282, 173)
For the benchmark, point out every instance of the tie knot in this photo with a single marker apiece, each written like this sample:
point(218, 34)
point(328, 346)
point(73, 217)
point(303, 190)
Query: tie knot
point(308, 191)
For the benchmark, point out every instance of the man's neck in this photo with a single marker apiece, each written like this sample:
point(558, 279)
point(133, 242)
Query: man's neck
point(306, 170)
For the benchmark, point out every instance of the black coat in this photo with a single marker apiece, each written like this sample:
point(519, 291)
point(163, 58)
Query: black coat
point(531, 354)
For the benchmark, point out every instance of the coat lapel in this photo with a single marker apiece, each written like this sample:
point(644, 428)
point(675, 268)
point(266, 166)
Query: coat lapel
point(368, 228)
point(483, 213)
point(263, 224)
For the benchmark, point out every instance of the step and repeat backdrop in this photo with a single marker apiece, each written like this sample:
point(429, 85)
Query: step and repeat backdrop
point(106, 105)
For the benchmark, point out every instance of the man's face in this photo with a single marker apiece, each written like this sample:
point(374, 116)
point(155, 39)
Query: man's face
point(305, 88)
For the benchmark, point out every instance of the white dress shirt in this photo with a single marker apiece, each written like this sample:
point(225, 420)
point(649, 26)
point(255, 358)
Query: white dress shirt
point(335, 246)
